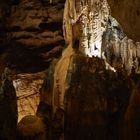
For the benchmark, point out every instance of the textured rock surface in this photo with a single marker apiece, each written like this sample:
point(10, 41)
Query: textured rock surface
point(85, 21)
point(31, 127)
point(27, 89)
point(84, 24)
point(132, 115)
point(120, 51)
point(53, 120)
point(8, 108)
point(127, 12)
point(31, 32)
point(94, 107)
point(96, 102)
point(97, 109)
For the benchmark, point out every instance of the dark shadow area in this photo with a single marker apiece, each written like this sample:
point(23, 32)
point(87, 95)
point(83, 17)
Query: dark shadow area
point(95, 102)
point(25, 59)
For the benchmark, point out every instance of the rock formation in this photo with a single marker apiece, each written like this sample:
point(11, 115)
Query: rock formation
point(92, 90)
point(127, 12)
point(119, 49)
point(94, 108)
point(28, 92)
point(8, 108)
point(31, 127)
point(74, 94)
point(31, 35)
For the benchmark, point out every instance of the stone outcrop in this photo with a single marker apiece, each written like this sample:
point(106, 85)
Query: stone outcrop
point(85, 22)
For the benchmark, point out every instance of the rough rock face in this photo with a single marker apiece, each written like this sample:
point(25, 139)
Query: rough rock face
point(132, 116)
point(31, 32)
point(53, 121)
point(84, 24)
point(120, 51)
point(31, 127)
point(37, 24)
point(8, 108)
point(85, 21)
point(97, 109)
point(94, 107)
point(127, 12)
point(79, 95)
point(96, 101)
point(27, 89)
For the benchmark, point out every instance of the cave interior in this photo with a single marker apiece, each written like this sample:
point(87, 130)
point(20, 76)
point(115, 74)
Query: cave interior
point(70, 70)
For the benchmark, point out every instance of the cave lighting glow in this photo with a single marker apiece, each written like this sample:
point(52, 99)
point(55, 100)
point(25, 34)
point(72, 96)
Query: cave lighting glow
point(95, 49)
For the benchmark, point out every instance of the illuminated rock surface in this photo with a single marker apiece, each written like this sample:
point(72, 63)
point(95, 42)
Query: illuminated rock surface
point(31, 35)
point(82, 97)
point(27, 89)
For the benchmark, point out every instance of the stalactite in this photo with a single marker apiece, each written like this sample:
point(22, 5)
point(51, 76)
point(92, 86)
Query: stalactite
point(123, 47)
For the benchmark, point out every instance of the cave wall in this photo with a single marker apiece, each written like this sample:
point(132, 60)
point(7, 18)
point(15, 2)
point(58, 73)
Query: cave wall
point(33, 30)
point(127, 12)
point(8, 107)
point(99, 103)
point(31, 37)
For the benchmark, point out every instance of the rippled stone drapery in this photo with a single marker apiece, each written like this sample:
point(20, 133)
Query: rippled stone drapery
point(120, 51)
point(84, 21)
point(91, 17)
